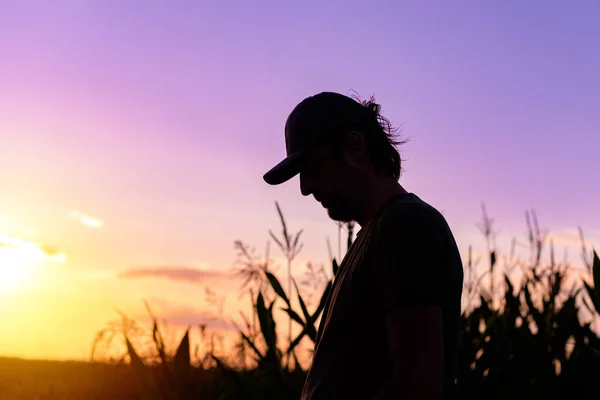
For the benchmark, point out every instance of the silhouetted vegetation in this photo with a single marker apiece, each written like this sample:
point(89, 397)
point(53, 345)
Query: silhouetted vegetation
point(529, 329)
point(526, 329)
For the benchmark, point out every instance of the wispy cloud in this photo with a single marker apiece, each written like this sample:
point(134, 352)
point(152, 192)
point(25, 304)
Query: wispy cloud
point(89, 221)
point(568, 239)
point(176, 273)
point(184, 315)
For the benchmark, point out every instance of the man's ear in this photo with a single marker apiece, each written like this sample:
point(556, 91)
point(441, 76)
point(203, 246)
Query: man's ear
point(355, 148)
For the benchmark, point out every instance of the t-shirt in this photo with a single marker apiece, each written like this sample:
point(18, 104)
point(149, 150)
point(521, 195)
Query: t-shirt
point(405, 255)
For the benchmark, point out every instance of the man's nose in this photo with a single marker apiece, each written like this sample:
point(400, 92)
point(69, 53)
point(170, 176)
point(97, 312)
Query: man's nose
point(304, 185)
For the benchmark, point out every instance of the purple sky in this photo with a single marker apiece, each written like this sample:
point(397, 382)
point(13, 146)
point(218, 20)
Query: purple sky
point(159, 118)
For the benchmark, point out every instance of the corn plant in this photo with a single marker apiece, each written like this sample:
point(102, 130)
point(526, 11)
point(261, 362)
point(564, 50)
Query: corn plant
point(530, 343)
point(521, 332)
point(171, 378)
point(308, 319)
point(593, 290)
point(291, 247)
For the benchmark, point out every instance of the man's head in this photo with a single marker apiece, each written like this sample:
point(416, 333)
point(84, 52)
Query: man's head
point(339, 146)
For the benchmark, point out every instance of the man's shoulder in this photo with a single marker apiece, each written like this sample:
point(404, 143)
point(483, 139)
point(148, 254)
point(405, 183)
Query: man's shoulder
point(409, 210)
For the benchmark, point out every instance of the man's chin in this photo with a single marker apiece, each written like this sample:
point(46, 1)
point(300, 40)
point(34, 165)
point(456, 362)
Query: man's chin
point(338, 216)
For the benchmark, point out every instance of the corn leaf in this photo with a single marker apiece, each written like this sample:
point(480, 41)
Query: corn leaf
point(136, 361)
point(146, 382)
point(592, 293)
point(159, 343)
point(294, 316)
point(535, 313)
point(277, 287)
point(301, 301)
point(596, 276)
point(252, 345)
point(182, 365)
point(233, 375)
point(296, 341)
point(160, 348)
point(587, 305)
point(323, 300)
point(267, 325)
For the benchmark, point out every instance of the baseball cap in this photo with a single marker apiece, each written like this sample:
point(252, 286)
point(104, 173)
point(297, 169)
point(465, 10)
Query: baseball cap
point(312, 121)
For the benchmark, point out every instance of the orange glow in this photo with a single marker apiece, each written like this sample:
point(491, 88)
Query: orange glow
point(19, 259)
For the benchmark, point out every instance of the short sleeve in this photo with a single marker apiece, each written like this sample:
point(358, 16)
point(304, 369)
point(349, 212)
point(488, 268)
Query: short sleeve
point(407, 259)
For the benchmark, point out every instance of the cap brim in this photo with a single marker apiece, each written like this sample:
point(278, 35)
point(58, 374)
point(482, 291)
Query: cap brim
point(285, 170)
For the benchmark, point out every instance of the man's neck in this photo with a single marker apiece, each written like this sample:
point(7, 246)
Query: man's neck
point(377, 195)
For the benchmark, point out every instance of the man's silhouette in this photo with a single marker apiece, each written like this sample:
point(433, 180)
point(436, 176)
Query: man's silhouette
point(390, 326)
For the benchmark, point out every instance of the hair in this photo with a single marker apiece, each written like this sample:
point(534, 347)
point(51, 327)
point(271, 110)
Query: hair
point(381, 139)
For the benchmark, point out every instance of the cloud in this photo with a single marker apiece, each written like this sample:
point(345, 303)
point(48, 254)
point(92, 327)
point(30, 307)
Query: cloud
point(572, 232)
point(90, 222)
point(183, 315)
point(32, 250)
point(568, 239)
point(188, 316)
point(176, 273)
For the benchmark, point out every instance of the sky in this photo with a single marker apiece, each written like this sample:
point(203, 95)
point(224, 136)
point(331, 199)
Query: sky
point(134, 136)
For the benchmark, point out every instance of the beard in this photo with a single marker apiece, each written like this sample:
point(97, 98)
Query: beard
point(340, 213)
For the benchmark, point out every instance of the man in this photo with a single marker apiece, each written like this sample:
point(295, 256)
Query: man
point(390, 326)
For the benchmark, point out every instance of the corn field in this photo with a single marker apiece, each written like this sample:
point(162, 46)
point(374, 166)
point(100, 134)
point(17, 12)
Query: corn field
point(529, 329)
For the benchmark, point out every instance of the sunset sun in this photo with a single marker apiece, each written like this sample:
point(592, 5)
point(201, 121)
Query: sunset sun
point(20, 260)
point(16, 266)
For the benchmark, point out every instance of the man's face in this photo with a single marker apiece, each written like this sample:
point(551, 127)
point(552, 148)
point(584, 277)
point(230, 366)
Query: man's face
point(331, 182)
